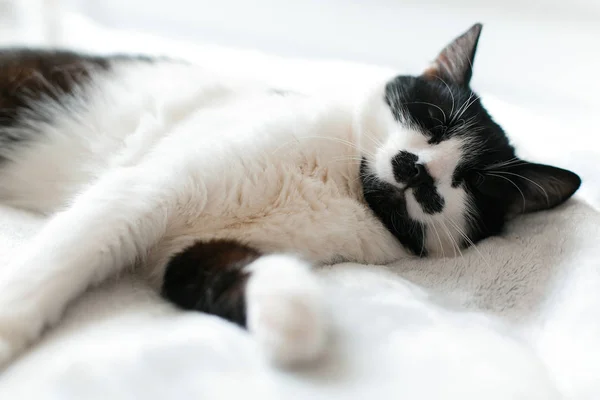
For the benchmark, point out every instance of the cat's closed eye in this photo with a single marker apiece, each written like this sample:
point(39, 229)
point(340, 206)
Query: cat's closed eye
point(437, 134)
point(437, 139)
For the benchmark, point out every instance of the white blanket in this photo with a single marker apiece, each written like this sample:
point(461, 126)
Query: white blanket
point(518, 317)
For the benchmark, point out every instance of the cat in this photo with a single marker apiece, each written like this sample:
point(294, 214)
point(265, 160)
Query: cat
point(224, 193)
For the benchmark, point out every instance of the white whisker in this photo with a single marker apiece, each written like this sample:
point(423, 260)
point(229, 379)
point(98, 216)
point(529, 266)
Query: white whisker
point(430, 104)
point(432, 222)
point(451, 94)
point(527, 179)
point(452, 241)
point(422, 230)
point(511, 162)
point(353, 146)
point(514, 184)
point(373, 139)
point(466, 105)
point(464, 235)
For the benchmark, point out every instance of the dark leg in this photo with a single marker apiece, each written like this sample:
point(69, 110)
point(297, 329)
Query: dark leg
point(277, 298)
point(210, 277)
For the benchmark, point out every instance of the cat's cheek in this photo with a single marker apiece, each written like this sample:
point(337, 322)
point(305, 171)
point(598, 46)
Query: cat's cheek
point(414, 209)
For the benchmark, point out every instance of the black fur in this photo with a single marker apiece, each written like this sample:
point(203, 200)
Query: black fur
point(210, 277)
point(404, 165)
point(28, 76)
point(429, 198)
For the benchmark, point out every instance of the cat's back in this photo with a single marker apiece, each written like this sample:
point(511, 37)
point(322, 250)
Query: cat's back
point(66, 117)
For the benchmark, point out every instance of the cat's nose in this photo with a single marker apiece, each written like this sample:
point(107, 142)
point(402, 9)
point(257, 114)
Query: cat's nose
point(419, 175)
point(408, 171)
point(405, 167)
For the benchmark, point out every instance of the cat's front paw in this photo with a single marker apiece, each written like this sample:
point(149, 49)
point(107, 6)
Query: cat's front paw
point(14, 337)
point(286, 310)
point(9, 349)
point(21, 323)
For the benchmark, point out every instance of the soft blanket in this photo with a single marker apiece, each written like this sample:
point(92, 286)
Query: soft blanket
point(517, 317)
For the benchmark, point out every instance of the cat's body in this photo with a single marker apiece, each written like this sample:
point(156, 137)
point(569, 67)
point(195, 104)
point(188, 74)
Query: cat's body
point(209, 158)
point(274, 160)
point(221, 185)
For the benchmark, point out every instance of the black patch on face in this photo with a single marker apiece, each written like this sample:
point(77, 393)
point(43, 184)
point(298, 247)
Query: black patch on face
point(389, 205)
point(429, 199)
point(404, 166)
point(29, 76)
point(413, 175)
point(210, 277)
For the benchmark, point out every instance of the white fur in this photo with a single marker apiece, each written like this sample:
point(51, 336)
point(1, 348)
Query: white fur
point(286, 309)
point(159, 156)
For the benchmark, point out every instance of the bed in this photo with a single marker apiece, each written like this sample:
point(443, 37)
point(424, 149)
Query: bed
point(515, 318)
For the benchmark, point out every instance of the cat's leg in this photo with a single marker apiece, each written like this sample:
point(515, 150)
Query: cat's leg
point(276, 297)
point(286, 309)
point(106, 228)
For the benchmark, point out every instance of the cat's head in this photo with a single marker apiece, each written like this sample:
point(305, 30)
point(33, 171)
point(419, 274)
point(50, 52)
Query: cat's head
point(437, 170)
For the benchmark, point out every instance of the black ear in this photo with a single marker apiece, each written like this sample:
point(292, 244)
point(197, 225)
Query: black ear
point(455, 63)
point(537, 187)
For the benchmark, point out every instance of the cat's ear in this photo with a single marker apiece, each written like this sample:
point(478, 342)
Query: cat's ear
point(537, 187)
point(455, 62)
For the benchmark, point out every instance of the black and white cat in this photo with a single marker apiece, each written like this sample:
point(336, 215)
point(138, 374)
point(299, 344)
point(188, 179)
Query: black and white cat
point(225, 193)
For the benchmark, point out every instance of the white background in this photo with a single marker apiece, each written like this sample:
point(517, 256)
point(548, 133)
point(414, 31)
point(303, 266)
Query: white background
point(543, 54)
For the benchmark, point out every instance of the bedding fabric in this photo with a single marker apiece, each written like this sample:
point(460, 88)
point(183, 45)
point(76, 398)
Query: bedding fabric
point(515, 318)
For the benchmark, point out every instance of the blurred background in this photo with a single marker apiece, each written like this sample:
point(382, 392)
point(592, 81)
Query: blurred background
point(536, 68)
point(542, 53)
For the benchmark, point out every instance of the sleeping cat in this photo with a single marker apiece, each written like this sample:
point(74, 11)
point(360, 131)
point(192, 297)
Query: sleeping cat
point(225, 193)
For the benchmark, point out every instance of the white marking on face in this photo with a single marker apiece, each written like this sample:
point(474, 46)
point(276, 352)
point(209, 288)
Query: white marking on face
point(441, 159)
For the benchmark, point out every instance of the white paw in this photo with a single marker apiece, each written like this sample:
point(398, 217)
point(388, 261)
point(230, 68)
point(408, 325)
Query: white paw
point(21, 323)
point(285, 310)
point(14, 336)
point(8, 351)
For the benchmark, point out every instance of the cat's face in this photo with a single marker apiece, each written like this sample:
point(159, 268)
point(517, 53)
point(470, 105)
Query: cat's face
point(437, 170)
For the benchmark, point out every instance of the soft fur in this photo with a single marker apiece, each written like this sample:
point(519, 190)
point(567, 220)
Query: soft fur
point(139, 160)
